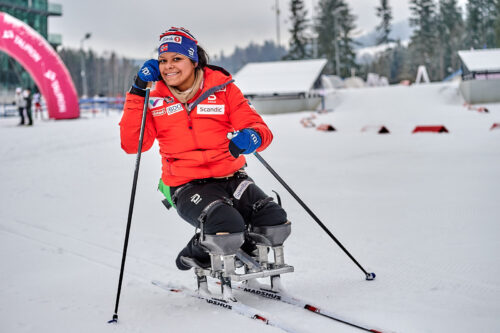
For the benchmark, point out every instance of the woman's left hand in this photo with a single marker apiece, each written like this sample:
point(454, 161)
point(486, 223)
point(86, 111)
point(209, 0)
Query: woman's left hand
point(245, 141)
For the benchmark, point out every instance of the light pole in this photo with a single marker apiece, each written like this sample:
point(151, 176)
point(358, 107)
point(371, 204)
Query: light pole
point(278, 23)
point(82, 60)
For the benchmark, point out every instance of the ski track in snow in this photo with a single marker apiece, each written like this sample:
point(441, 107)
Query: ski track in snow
point(418, 210)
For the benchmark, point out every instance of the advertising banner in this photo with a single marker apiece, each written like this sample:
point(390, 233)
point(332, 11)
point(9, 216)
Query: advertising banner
point(39, 59)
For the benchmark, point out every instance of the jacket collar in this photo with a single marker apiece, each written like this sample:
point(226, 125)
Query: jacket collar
point(215, 78)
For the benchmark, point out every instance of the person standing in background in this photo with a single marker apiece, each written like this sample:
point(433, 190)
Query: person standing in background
point(20, 103)
point(27, 98)
point(37, 100)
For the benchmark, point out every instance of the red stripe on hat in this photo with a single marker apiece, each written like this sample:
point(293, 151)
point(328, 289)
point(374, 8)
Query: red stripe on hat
point(179, 32)
point(182, 30)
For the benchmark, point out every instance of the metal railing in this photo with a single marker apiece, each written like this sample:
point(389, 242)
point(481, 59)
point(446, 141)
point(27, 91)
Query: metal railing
point(98, 105)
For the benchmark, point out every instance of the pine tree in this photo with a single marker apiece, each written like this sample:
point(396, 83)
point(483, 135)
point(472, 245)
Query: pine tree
point(298, 40)
point(423, 42)
point(327, 32)
point(392, 63)
point(480, 24)
point(399, 69)
point(333, 26)
point(384, 11)
point(346, 43)
point(497, 24)
point(253, 52)
point(450, 34)
point(107, 75)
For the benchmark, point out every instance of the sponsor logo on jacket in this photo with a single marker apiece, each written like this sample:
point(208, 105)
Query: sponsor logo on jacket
point(155, 102)
point(174, 109)
point(157, 113)
point(210, 108)
point(212, 99)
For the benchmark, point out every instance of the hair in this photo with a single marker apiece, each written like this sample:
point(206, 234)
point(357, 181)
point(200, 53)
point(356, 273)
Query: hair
point(202, 57)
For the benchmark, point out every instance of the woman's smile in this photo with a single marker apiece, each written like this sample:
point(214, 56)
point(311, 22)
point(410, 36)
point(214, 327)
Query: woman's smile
point(177, 70)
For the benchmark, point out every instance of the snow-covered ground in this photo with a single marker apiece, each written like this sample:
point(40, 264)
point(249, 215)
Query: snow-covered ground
point(420, 210)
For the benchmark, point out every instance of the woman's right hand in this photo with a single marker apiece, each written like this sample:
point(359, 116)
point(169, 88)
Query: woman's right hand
point(150, 71)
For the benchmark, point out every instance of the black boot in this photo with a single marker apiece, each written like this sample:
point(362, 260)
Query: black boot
point(192, 255)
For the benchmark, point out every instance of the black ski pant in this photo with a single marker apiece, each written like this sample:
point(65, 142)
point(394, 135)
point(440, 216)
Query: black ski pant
point(224, 205)
point(28, 113)
point(21, 114)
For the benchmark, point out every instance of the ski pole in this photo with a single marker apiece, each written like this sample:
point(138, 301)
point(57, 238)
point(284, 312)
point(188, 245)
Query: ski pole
point(131, 206)
point(369, 276)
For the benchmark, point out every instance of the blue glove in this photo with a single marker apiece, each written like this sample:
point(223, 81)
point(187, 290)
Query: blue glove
point(149, 72)
point(245, 141)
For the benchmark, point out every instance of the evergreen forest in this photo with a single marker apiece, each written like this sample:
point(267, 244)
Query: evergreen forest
point(439, 29)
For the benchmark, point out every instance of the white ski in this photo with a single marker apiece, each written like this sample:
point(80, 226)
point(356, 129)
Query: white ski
point(265, 291)
point(235, 306)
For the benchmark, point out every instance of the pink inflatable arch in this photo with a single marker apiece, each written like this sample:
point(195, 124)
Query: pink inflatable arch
point(35, 54)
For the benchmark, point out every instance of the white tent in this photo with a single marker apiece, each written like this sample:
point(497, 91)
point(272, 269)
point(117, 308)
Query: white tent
point(354, 82)
point(279, 77)
point(331, 82)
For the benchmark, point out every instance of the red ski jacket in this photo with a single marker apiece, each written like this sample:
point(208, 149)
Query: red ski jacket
point(192, 136)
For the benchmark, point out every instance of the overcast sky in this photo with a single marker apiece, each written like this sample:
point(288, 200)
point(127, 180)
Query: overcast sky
point(131, 27)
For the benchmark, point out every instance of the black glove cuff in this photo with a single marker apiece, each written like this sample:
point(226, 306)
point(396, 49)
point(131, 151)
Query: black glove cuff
point(234, 150)
point(139, 87)
point(137, 91)
point(139, 83)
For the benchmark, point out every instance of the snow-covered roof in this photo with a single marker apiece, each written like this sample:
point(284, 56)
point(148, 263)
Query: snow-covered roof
point(279, 77)
point(481, 60)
